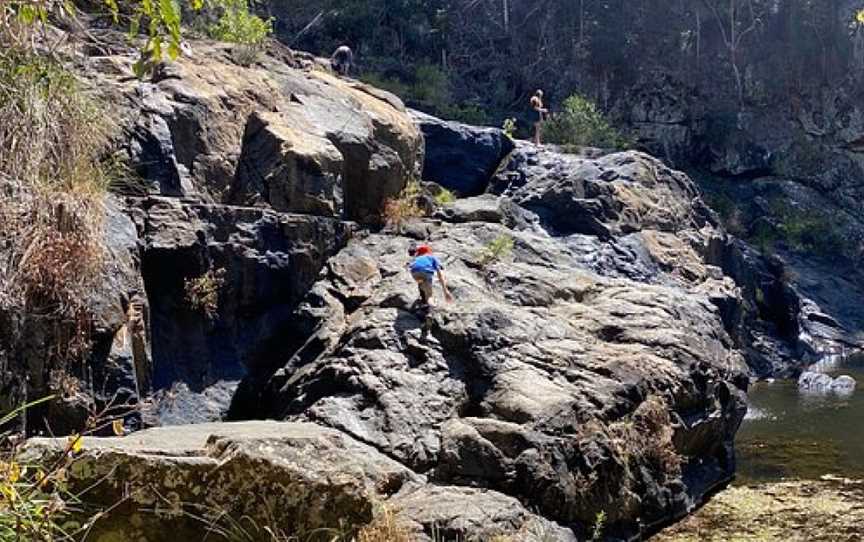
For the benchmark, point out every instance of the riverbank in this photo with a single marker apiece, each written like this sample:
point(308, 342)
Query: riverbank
point(830, 509)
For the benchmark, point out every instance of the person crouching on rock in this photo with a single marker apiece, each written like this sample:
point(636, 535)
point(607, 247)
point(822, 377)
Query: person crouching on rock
point(424, 266)
point(341, 60)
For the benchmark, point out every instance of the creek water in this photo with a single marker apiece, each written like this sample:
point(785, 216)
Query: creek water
point(790, 434)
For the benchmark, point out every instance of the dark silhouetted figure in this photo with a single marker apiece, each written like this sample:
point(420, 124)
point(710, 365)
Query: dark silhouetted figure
point(342, 59)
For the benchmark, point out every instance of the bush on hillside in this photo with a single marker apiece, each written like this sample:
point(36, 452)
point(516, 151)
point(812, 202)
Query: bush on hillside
point(238, 25)
point(52, 136)
point(580, 123)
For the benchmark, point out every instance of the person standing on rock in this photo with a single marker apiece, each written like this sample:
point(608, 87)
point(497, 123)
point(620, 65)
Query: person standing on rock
point(537, 105)
point(424, 266)
point(341, 60)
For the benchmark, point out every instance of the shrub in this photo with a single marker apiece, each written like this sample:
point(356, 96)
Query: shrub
point(52, 135)
point(238, 25)
point(202, 292)
point(35, 503)
point(496, 250)
point(390, 84)
point(580, 123)
point(803, 230)
point(403, 207)
point(509, 127)
point(444, 197)
point(431, 86)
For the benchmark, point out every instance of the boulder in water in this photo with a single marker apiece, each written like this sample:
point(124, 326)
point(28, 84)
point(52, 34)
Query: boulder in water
point(843, 384)
point(814, 382)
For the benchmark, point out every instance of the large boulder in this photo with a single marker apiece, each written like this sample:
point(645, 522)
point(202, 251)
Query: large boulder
point(277, 132)
point(586, 370)
point(461, 157)
point(257, 479)
point(178, 483)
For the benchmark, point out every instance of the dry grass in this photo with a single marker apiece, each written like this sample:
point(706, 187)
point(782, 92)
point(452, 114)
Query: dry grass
point(52, 189)
point(386, 527)
point(202, 292)
point(646, 438)
point(403, 207)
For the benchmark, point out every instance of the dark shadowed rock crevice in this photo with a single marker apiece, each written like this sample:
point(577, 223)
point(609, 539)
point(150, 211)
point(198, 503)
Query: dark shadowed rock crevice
point(269, 259)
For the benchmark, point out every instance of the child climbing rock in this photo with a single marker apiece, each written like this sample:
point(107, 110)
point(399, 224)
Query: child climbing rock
point(424, 266)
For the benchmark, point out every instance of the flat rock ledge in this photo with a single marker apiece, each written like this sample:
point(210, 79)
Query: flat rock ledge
point(296, 479)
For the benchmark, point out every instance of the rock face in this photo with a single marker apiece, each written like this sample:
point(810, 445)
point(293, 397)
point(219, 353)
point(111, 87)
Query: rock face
point(460, 157)
point(591, 366)
point(34, 368)
point(588, 370)
point(309, 148)
point(269, 260)
point(294, 479)
point(277, 132)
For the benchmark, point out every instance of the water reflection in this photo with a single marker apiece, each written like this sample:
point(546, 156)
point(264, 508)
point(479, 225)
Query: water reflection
point(803, 435)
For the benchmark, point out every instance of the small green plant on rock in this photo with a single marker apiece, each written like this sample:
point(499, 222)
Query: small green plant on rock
point(202, 292)
point(509, 127)
point(444, 197)
point(496, 250)
point(599, 525)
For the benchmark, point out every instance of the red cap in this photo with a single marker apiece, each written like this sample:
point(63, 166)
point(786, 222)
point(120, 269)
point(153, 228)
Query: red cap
point(424, 249)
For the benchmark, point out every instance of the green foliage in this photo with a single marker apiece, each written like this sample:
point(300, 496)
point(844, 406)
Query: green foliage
point(35, 503)
point(581, 124)
point(444, 197)
point(428, 87)
point(509, 127)
point(238, 25)
point(496, 250)
point(202, 292)
point(599, 525)
point(431, 86)
point(802, 230)
point(162, 21)
point(390, 84)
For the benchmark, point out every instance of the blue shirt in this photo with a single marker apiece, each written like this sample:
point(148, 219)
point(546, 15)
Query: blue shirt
point(425, 264)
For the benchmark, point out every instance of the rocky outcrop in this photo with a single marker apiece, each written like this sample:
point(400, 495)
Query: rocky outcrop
point(309, 148)
point(460, 157)
point(294, 479)
point(592, 364)
point(267, 261)
point(588, 370)
point(276, 132)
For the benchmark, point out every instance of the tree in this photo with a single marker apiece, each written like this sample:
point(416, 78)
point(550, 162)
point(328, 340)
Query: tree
point(734, 27)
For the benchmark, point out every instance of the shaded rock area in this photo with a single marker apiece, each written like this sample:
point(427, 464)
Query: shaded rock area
point(828, 510)
point(269, 260)
point(786, 177)
point(460, 157)
point(34, 366)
